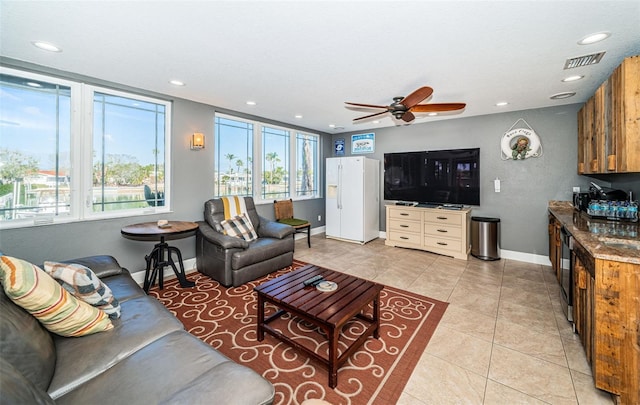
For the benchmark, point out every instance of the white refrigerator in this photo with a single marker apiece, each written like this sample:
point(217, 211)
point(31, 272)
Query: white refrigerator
point(352, 199)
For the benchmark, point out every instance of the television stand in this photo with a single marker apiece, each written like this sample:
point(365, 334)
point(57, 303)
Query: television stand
point(435, 229)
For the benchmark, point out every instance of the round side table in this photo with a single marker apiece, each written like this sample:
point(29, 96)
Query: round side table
point(161, 255)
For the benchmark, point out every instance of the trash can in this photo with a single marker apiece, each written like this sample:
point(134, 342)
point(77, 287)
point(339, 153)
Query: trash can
point(485, 238)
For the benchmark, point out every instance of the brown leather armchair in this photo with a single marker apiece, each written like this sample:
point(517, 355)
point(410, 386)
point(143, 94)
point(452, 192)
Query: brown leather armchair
point(233, 261)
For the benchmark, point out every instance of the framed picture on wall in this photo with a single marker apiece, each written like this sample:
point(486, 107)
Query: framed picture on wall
point(338, 147)
point(363, 143)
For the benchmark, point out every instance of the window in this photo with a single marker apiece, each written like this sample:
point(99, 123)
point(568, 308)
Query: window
point(71, 151)
point(275, 163)
point(307, 165)
point(234, 157)
point(128, 153)
point(287, 165)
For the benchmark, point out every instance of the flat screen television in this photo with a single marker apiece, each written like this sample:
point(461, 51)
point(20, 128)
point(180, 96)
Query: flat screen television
point(433, 177)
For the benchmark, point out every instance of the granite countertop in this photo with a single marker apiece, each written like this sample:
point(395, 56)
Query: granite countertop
point(602, 239)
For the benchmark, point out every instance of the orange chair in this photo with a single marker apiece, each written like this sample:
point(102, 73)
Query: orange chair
point(284, 214)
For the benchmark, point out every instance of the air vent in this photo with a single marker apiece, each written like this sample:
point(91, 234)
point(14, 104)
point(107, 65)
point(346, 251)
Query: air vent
point(43, 220)
point(585, 60)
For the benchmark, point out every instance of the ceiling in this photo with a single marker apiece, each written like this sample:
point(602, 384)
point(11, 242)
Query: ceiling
point(308, 57)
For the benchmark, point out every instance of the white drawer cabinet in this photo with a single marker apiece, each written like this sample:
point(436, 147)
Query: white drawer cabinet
point(437, 230)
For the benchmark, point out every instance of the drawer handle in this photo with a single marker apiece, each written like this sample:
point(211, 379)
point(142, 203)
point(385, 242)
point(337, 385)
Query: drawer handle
point(443, 230)
point(442, 217)
point(404, 226)
point(404, 237)
point(442, 243)
point(404, 213)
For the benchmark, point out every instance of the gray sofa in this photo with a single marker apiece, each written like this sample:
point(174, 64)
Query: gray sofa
point(233, 261)
point(147, 358)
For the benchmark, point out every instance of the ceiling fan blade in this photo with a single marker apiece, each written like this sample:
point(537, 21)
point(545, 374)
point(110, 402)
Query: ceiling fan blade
point(417, 96)
point(369, 116)
point(408, 117)
point(367, 105)
point(438, 107)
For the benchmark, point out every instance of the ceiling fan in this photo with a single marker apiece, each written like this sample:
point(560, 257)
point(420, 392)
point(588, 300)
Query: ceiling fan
point(403, 108)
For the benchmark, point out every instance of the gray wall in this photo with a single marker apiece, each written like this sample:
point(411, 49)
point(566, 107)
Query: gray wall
point(527, 185)
point(191, 185)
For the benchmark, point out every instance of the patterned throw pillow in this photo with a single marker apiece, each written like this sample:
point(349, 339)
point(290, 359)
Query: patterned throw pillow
point(39, 294)
point(84, 284)
point(240, 227)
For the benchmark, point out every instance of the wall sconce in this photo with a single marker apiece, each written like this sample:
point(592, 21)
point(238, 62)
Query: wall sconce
point(197, 141)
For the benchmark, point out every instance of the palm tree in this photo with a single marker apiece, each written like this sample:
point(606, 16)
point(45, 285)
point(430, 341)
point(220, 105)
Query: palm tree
point(239, 164)
point(272, 158)
point(230, 157)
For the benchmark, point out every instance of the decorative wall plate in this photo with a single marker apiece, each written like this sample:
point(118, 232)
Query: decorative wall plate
point(520, 143)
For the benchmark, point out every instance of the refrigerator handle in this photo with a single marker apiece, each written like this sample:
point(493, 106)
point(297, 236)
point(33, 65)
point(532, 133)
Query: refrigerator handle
point(339, 199)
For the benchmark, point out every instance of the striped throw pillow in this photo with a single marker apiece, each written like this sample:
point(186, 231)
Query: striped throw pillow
point(39, 294)
point(83, 283)
point(240, 227)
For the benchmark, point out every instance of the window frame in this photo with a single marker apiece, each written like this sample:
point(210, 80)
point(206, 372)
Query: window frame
point(81, 150)
point(257, 159)
point(87, 153)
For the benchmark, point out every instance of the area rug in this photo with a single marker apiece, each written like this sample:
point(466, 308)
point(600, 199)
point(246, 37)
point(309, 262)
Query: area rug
point(225, 318)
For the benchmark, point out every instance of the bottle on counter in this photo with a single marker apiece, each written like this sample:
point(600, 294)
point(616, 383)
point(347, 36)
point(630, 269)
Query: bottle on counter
point(632, 211)
point(623, 208)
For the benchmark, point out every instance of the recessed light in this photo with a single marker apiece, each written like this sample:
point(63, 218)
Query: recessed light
point(376, 122)
point(46, 46)
point(560, 96)
point(593, 38)
point(432, 114)
point(572, 78)
point(251, 103)
point(332, 125)
point(501, 103)
point(176, 82)
point(298, 116)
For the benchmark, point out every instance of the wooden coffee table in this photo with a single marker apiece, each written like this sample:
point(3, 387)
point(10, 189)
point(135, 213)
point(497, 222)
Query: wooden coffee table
point(329, 311)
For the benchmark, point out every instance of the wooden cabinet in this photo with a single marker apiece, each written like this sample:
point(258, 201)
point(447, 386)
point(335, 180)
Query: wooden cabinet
point(555, 246)
point(584, 295)
point(609, 124)
point(606, 317)
point(623, 144)
point(404, 227)
point(442, 231)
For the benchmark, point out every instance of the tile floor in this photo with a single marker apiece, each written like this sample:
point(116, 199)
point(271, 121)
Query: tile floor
point(503, 338)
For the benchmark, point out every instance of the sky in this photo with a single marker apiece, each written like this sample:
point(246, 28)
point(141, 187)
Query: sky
point(29, 123)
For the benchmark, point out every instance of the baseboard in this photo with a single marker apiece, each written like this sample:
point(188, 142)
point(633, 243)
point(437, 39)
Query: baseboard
point(525, 257)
